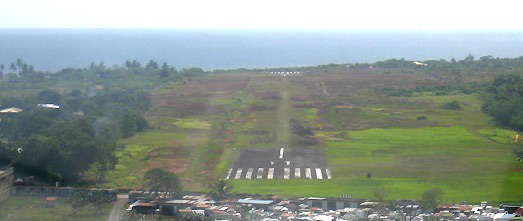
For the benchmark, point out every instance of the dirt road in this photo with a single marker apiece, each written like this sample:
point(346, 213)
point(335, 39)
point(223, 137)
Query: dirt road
point(118, 207)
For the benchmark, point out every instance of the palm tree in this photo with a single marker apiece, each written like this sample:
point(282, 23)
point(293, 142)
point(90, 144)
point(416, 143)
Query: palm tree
point(220, 190)
point(12, 66)
point(19, 63)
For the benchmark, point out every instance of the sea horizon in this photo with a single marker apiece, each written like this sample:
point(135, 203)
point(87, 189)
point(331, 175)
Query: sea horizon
point(210, 49)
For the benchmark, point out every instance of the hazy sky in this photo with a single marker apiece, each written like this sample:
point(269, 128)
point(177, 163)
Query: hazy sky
point(301, 14)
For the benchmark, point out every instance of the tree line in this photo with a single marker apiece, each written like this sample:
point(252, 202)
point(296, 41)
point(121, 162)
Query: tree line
point(62, 144)
point(97, 107)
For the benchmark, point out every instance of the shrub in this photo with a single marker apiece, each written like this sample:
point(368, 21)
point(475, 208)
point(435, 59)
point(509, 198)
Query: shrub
point(453, 105)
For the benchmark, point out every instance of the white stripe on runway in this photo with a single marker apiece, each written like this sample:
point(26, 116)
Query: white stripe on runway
point(259, 175)
point(296, 172)
point(228, 174)
point(249, 174)
point(308, 173)
point(238, 174)
point(319, 176)
point(328, 173)
point(271, 174)
point(281, 152)
point(286, 173)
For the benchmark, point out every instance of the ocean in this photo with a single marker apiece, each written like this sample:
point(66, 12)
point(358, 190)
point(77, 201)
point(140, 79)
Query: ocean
point(55, 49)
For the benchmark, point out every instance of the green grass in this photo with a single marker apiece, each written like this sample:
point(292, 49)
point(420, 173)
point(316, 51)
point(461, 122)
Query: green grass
point(191, 123)
point(35, 208)
point(407, 161)
point(429, 136)
point(361, 132)
point(455, 190)
point(500, 135)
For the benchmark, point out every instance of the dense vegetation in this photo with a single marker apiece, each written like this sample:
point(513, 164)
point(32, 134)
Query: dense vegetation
point(504, 100)
point(97, 107)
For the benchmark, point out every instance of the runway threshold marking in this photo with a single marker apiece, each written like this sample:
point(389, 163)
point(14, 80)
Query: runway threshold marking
point(328, 173)
point(228, 174)
point(270, 175)
point(319, 176)
point(238, 174)
point(259, 175)
point(286, 173)
point(249, 173)
point(308, 173)
point(296, 172)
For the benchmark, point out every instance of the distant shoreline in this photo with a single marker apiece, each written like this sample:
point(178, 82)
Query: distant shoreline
point(210, 49)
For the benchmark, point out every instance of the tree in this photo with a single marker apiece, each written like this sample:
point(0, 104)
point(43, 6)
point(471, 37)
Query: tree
point(453, 105)
point(106, 160)
point(431, 199)
point(132, 64)
point(48, 96)
point(165, 70)
point(220, 190)
point(469, 59)
point(12, 66)
point(457, 75)
point(19, 63)
point(161, 181)
point(152, 64)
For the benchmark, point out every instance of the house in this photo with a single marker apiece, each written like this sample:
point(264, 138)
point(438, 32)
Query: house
point(256, 203)
point(144, 208)
point(7, 178)
point(173, 207)
point(52, 106)
point(12, 110)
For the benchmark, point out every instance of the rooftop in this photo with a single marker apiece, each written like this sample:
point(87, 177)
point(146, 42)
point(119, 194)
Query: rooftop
point(262, 202)
point(11, 110)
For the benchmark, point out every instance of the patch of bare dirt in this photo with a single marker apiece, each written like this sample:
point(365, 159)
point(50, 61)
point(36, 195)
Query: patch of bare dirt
point(268, 95)
point(517, 169)
point(262, 108)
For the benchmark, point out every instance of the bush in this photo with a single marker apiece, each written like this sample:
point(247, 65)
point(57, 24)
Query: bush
point(441, 93)
point(453, 105)
point(422, 118)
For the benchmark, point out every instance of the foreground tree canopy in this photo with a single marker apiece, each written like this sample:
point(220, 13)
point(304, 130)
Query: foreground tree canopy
point(161, 182)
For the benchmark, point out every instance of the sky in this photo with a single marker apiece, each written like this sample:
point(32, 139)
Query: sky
point(263, 14)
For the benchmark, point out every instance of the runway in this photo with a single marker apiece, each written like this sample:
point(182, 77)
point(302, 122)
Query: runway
point(280, 163)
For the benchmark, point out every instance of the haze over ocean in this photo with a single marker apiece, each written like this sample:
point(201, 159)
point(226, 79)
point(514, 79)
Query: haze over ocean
point(54, 49)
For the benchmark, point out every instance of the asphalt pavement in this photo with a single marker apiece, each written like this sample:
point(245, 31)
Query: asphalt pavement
point(280, 163)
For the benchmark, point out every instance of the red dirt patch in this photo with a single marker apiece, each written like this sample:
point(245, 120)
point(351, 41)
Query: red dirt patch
point(174, 165)
point(517, 169)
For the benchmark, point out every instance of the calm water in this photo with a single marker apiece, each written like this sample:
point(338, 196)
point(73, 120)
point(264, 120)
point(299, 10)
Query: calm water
point(52, 50)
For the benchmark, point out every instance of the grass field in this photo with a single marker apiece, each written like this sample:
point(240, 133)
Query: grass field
point(200, 125)
point(36, 208)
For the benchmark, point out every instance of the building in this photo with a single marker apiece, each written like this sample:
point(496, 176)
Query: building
point(52, 106)
point(12, 110)
point(7, 179)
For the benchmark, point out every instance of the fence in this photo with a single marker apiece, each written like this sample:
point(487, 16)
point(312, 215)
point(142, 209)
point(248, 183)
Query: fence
point(42, 191)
